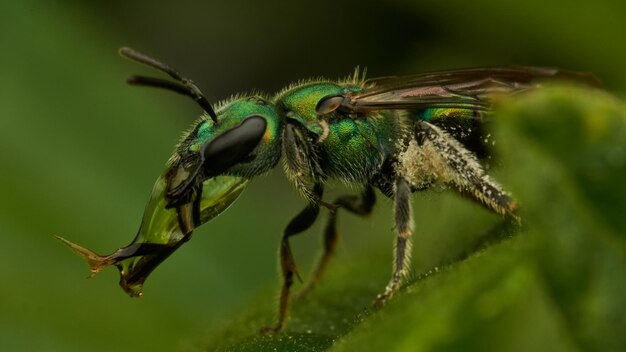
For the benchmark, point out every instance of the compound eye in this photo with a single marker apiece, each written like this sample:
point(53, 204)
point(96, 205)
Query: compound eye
point(233, 145)
point(329, 104)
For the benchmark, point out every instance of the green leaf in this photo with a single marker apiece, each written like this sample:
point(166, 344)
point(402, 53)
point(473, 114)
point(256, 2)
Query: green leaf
point(557, 285)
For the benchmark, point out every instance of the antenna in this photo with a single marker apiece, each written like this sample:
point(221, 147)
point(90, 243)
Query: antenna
point(183, 86)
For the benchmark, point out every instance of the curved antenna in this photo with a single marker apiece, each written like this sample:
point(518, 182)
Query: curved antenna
point(184, 86)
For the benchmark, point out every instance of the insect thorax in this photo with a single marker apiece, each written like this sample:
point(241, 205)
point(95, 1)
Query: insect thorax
point(355, 148)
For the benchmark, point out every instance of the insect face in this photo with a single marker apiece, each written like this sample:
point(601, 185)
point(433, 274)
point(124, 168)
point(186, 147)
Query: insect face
point(245, 142)
point(208, 171)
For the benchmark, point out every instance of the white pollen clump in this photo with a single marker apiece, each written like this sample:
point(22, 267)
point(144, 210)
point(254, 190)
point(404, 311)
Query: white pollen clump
point(441, 160)
point(423, 165)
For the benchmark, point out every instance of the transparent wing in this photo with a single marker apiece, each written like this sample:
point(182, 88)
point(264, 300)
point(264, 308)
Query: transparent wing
point(465, 89)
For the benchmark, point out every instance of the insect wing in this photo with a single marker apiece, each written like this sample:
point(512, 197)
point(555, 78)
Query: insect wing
point(463, 89)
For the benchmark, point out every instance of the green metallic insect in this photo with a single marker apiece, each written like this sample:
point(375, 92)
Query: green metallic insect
point(397, 134)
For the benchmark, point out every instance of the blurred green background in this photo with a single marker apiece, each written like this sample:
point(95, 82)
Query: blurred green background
point(80, 150)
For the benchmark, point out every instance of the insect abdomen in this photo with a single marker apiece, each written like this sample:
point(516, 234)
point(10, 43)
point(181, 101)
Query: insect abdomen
point(464, 125)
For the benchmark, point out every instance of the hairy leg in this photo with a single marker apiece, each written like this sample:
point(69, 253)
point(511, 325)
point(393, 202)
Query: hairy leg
point(404, 229)
point(464, 171)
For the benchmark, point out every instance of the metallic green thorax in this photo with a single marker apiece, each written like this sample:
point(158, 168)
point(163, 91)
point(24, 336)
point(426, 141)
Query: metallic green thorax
point(299, 101)
point(356, 148)
point(352, 148)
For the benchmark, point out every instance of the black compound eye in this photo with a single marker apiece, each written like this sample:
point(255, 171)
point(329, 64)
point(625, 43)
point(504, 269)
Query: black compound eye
point(233, 145)
point(329, 104)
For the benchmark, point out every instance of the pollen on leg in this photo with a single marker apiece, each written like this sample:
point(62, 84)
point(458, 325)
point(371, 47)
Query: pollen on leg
point(424, 166)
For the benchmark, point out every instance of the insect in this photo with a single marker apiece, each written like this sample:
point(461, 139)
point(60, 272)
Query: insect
point(397, 134)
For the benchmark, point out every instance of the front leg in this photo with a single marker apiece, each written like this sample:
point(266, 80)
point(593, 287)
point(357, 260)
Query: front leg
point(298, 224)
point(404, 229)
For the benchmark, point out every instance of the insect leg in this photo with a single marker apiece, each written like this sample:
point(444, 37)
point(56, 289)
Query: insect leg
point(404, 229)
point(298, 224)
point(360, 205)
point(464, 171)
